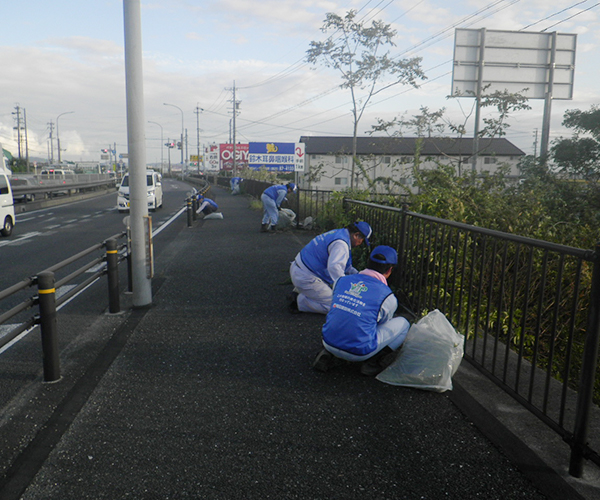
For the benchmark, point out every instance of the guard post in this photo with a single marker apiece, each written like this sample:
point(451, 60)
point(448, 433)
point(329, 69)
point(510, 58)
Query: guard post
point(48, 326)
point(189, 212)
point(112, 273)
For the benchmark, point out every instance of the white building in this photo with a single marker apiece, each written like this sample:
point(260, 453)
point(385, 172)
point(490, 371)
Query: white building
point(392, 160)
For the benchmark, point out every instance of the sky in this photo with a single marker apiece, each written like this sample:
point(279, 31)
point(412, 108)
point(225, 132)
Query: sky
point(63, 64)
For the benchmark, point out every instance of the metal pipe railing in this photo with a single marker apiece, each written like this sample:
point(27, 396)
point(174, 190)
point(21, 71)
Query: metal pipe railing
point(47, 301)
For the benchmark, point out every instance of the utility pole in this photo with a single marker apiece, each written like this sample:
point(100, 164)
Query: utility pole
point(198, 110)
point(26, 141)
point(139, 223)
point(18, 128)
point(535, 143)
point(51, 125)
point(235, 108)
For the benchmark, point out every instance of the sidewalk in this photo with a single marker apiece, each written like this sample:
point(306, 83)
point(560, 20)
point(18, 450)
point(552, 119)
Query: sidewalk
point(209, 394)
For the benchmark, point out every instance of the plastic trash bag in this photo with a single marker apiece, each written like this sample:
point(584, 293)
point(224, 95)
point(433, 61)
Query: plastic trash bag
point(429, 357)
point(214, 215)
point(286, 218)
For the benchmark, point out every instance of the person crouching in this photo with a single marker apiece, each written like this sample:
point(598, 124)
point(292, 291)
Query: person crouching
point(360, 326)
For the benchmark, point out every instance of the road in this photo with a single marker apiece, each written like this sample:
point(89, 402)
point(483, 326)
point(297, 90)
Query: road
point(45, 237)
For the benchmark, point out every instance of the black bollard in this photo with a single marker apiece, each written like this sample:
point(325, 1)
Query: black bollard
point(48, 326)
point(112, 272)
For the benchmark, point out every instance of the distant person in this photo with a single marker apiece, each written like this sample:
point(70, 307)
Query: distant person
point(235, 185)
point(206, 206)
point(322, 261)
point(360, 326)
point(272, 198)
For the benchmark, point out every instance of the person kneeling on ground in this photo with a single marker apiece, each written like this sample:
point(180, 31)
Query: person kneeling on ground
point(206, 206)
point(323, 260)
point(360, 325)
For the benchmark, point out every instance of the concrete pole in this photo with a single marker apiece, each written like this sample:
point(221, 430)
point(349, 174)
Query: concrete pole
point(142, 287)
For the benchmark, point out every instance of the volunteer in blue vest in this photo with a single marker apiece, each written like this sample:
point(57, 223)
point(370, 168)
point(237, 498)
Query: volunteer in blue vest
point(325, 259)
point(272, 198)
point(235, 185)
point(206, 205)
point(360, 325)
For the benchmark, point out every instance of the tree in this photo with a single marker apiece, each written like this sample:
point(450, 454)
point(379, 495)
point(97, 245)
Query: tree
point(360, 53)
point(580, 155)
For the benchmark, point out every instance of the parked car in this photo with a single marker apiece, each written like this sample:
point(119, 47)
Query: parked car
point(7, 209)
point(153, 185)
point(21, 182)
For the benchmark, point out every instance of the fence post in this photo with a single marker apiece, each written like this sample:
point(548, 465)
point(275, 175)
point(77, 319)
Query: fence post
point(194, 207)
point(588, 373)
point(297, 208)
point(189, 212)
point(48, 327)
point(112, 273)
point(402, 241)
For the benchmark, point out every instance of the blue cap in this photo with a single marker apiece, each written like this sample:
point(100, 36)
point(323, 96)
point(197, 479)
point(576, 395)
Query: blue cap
point(291, 186)
point(365, 229)
point(390, 256)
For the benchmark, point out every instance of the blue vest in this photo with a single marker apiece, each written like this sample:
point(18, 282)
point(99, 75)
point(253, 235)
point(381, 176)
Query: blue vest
point(351, 323)
point(314, 255)
point(273, 191)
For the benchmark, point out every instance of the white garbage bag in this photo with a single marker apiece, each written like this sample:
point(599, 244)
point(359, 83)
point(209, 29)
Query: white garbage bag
point(286, 218)
point(429, 357)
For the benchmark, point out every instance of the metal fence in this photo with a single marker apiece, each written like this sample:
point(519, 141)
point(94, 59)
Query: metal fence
point(529, 311)
point(47, 300)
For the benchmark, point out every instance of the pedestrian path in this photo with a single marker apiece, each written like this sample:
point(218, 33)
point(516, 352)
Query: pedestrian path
point(209, 394)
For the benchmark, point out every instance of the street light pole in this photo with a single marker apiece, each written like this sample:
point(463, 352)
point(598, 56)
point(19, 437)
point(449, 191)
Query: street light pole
point(162, 161)
point(181, 131)
point(58, 136)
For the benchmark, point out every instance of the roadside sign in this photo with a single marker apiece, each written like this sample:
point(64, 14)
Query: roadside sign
point(276, 156)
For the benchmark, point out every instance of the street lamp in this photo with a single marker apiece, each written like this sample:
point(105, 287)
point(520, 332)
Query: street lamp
point(162, 161)
point(181, 132)
point(57, 136)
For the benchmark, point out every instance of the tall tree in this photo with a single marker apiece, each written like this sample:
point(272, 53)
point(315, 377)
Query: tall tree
point(580, 155)
point(360, 53)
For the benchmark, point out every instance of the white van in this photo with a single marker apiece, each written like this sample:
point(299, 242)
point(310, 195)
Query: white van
point(57, 172)
point(7, 209)
point(154, 186)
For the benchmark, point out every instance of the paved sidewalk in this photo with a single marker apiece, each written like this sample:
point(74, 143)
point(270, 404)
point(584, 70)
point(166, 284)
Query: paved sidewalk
point(209, 394)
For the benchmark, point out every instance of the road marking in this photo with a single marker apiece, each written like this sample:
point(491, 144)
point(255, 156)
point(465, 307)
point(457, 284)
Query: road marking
point(20, 239)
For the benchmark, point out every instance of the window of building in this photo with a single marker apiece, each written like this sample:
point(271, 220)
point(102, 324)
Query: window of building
point(488, 160)
point(387, 159)
point(341, 181)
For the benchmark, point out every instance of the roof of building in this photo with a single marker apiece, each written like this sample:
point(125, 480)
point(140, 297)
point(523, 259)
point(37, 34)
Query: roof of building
point(432, 146)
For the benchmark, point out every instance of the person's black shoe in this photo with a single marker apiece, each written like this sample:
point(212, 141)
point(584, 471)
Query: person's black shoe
point(293, 303)
point(324, 361)
point(375, 365)
point(264, 228)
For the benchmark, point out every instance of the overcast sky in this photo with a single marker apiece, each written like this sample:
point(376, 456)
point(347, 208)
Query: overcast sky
point(67, 56)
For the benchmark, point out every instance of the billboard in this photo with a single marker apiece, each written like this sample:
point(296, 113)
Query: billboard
point(276, 156)
point(211, 158)
point(226, 156)
point(514, 60)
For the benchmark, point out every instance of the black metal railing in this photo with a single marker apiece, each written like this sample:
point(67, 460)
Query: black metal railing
point(529, 310)
point(47, 299)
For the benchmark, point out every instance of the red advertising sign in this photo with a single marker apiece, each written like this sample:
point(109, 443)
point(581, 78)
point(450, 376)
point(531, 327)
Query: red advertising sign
point(226, 156)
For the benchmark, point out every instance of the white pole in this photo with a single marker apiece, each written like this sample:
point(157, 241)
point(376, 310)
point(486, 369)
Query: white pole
point(142, 288)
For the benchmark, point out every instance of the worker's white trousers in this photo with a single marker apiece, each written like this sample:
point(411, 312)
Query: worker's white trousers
point(314, 295)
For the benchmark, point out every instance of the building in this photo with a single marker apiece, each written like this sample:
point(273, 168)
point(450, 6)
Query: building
point(390, 162)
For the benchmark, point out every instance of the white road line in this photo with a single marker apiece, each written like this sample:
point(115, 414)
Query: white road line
point(20, 239)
